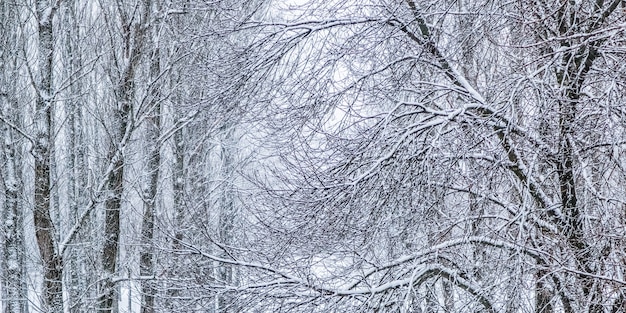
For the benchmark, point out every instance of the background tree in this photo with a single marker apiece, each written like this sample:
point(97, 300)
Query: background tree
point(78, 71)
point(45, 231)
point(427, 162)
point(14, 289)
point(314, 156)
point(132, 20)
point(102, 76)
point(206, 100)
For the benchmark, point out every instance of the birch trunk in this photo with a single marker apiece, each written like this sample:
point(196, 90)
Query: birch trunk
point(14, 293)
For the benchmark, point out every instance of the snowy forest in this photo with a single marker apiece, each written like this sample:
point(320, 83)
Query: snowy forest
point(313, 156)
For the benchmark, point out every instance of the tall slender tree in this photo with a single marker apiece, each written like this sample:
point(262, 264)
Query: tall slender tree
point(153, 131)
point(134, 19)
point(45, 231)
point(13, 274)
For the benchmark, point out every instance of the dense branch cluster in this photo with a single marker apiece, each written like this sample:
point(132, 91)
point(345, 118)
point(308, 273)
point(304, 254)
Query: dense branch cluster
point(313, 156)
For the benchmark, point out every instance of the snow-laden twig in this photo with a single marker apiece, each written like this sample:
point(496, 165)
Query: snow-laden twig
point(18, 130)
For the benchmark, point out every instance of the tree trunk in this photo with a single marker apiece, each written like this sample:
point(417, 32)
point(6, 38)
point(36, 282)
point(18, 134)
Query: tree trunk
point(133, 34)
point(227, 215)
point(112, 205)
point(45, 232)
point(14, 293)
point(153, 126)
point(575, 65)
point(13, 287)
point(178, 189)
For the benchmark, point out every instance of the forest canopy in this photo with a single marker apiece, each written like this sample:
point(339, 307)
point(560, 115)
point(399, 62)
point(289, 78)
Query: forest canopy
point(313, 156)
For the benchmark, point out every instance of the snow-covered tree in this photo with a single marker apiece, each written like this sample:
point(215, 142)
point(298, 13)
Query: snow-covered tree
point(455, 155)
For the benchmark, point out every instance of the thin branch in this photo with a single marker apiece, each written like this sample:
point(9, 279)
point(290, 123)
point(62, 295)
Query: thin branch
point(17, 129)
point(519, 168)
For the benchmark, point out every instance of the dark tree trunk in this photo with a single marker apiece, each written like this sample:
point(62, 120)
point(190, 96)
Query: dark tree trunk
point(150, 191)
point(133, 35)
point(45, 231)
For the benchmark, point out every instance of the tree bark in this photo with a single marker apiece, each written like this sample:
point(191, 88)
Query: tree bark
point(45, 231)
point(133, 35)
point(13, 287)
point(153, 126)
point(14, 293)
point(179, 209)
